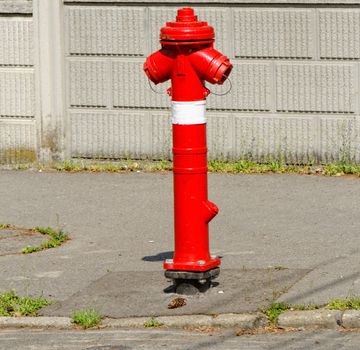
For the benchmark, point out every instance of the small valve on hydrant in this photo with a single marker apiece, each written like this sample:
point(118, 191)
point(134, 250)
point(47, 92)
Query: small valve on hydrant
point(188, 58)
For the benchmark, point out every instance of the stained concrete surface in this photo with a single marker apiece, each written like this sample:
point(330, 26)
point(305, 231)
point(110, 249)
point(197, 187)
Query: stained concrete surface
point(127, 294)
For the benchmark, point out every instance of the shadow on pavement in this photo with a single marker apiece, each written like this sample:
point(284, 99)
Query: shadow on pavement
point(159, 257)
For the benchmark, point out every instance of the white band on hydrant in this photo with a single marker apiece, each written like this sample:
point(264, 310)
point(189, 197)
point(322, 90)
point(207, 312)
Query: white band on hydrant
point(186, 113)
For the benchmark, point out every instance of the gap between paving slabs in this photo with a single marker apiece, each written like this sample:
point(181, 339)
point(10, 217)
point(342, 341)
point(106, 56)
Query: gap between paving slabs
point(17, 240)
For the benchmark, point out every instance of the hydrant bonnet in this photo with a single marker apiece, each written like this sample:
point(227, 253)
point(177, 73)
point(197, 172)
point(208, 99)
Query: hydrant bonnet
point(186, 28)
point(188, 58)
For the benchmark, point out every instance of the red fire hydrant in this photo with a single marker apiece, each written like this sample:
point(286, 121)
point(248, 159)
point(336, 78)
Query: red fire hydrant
point(188, 58)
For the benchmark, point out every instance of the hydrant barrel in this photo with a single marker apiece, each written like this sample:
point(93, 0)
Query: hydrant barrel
point(187, 57)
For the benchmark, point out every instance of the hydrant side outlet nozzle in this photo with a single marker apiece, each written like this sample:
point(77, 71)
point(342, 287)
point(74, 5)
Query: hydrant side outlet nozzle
point(188, 58)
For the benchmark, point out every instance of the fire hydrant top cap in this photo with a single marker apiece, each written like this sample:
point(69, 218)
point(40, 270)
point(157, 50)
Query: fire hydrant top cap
point(186, 28)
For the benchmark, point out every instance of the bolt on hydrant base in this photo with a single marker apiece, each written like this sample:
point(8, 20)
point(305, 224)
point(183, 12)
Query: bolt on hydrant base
point(188, 58)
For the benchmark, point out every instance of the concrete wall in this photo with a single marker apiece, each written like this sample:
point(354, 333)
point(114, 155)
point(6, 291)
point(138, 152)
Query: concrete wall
point(295, 91)
point(17, 89)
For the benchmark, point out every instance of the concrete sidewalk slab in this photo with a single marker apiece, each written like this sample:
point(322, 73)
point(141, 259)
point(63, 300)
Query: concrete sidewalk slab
point(130, 294)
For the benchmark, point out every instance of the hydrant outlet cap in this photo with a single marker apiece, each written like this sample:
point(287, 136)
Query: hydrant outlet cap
point(186, 28)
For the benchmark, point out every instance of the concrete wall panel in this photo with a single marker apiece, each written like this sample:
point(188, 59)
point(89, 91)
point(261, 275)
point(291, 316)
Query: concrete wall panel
point(161, 135)
point(295, 93)
point(340, 139)
point(251, 89)
point(17, 96)
point(109, 135)
point(326, 88)
point(220, 135)
point(88, 83)
point(339, 34)
point(131, 87)
point(16, 41)
point(17, 141)
point(16, 7)
point(290, 139)
point(274, 33)
point(106, 30)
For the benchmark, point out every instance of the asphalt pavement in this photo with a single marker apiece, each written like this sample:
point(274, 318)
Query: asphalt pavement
point(121, 224)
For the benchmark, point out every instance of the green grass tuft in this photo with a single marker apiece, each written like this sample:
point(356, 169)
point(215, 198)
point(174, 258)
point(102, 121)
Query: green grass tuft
point(341, 168)
point(13, 305)
point(153, 322)
point(4, 226)
point(250, 167)
point(86, 318)
point(56, 238)
point(275, 310)
point(344, 304)
point(114, 167)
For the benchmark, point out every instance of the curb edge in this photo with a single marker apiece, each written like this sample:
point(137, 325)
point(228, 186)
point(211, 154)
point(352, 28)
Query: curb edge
point(321, 318)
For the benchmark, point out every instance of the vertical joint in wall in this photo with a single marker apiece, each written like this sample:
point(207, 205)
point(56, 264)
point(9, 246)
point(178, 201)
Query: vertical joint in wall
point(49, 75)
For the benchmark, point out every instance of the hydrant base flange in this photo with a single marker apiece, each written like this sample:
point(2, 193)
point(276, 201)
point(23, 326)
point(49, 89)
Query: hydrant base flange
point(190, 282)
point(192, 275)
point(198, 266)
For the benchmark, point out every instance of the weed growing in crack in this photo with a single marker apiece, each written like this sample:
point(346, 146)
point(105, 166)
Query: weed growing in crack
point(153, 322)
point(56, 238)
point(344, 304)
point(86, 318)
point(274, 311)
point(13, 305)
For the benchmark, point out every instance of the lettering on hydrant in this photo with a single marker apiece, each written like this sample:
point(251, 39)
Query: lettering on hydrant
point(188, 58)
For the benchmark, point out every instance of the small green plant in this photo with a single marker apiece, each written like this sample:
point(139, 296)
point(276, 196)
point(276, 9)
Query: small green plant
point(276, 167)
point(344, 304)
point(86, 318)
point(13, 305)
point(341, 168)
point(332, 169)
point(56, 238)
point(153, 322)
point(275, 310)
point(4, 226)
